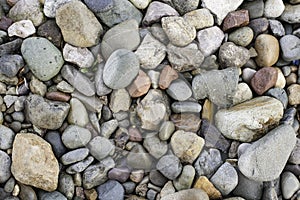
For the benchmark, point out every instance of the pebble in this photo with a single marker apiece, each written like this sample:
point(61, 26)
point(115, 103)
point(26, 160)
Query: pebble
point(10, 47)
point(74, 156)
point(92, 103)
point(78, 80)
point(42, 57)
point(264, 79)
point(113, 39)
point(179, 90)
point(137, 176)
point(111, 190)
point(37, 87)
point(187, 194)
point(9, 185)
point(199, 18)
point(119, 174)
point(281, 82)
point(242, 94)
point(291, 79)
point(140, 85)
point(259, 115)
point(5, 165)
point(108, 128)
point(186, 121)
point(204, 184)
point(157, 10)
point(66, 185)
point(96, 174)
point(186, 145)
point(101, 88)
point(119, 100)
point(138, 158)
point(100, 147)
point(267, 48)
point(42, 160)
point(99, 6)
point(279, 94)
point(120, 69)
point(178, 30)
point(54, 138)
point(166, 130)
point(9, 100)
point(170, 166)
point(290, 46)
point(210, 39)
point(46, 114)
point(27, 192)
point(276, 28)
point(259, 25)
point(219, 86)
point(22, 29)
point(290, 184)
point(291, 14)
point(277, 145)
point(294, 157)
point(58, 96)
point(52, 195)
point(80, 166)
point(242, 36)
point(78, 114)
point(6, 137)
point(82, 57)
point(185, 6)
point(221, 8)
point(151, 52)
point(51, 6)
point(186, 106)
point(167, 75)
point(236, 19)
point(5, 22)
point(231, 55)
point(121, 11)
point(272, 11)
point(75, 136)
point(51, 31)
point(158, 32)
point(156, 147)
point(27, 10)
point(293, 94)
point(185, 58)
point(129, 187)
point(255, 8)
point(70, 17)
point(157, 178)
point(140, 4)
point(185, 180)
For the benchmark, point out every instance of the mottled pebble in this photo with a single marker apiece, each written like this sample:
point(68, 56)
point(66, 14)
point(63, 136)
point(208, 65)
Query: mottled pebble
point(22, 29)
point(82, 57)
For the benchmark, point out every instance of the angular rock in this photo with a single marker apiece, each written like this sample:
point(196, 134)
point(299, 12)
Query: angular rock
point(66, 185)
point(293, 94)
point(92, 103)
point(242, 94)
point(264, 79)
point(250, 120)
point(265, 159)
point(42, 57)
point(236, 19)
point(169, 166)
point(80, 166)
point(242, 36)
point(46, 114)
point(6, 137)
point(5, 165)
point(186, 121)
point(267, 48)
point(290, 47)
point(140, 85)
point(22, 29)
point(179, 90)
point(200, 18)
point(82, 57)
point(119, 101)
point(10, 47)
point(231, 55)
point(219, 86)
point(276, 28)
point(255, 8)
point(75, 136)
point(78, 24)
point(51, 31)
point(291, 14)
point(33, 162)
point(187, 194)
point(138, 158)
point(259, 25)
point(204, 184)
point(155, 146)
point(185, 6)
point(289, 184)
point(272, 11)
point(11, 64)
point(167, 75)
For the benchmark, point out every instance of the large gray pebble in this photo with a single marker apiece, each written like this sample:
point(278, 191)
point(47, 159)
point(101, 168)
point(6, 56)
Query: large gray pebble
point(290, 46)
point(155, 146)
point(6, 137)
point(291, 14)
point(75, 136)
point(295, 155)
point(231, 55)
point(111, 190)
point(5, 162)
point(11, 64)
point(80, 166)
point(169, 166)
point(66, 185)
point(100, 147)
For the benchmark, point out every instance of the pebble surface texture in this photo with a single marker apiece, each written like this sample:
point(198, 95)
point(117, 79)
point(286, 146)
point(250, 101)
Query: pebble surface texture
point(149, 99)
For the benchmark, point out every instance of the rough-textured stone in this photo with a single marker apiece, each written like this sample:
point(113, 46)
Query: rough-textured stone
point(5, 165)
point(290, 47)
point(242, 36)
point(78, 24)
point(187, 194)
point(200, 18)
point(265, 159)
point(242, 94)
point(80, 166)
point(273, 8)
point(51, 31)
point(259, 25)
point(276, 28)
point(169, 166)
point(250, 120)
point(255, 8)
point(264, 79)
point(293, 94)
point(82, 57)
point(167, 75)
point(236, 19)
point(22, 29)
point(119, 101)
point(11, 64)
point(204, 184)
point(184, 6)
point(33, 162)
point(291, 14)
point(51, 6)
point(231, 55)
point(111, 190)
point(156, 147)
point(186, 121)
point(267, 48)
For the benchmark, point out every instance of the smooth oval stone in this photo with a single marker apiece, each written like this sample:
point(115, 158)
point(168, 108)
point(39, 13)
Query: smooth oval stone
point(179, 90)
point(74, 156)
point(290, 47)
point(242, 36)
point(78, 114)
point(99, 5)
point(267, 47)
point(186, 106)
point(42, 57)
point(6, 137)
point(75, 136)
point(289, 184)
point(100, 147)
point(54, 138)
point(120, 69)
point(185, 180)
point(169, 166)
point(5, 162)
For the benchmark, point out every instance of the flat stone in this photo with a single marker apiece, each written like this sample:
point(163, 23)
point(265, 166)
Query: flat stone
point(250, 120)
point(80, 166)
point(27, 9)
point(179, 90)
point(120, 174)
point(151, 52)
point(108, 127)
point(219, 86)
point(91, 103)
point(74, 156)
point(58, 96)
point(120, 69)
point(166, 130)
point(277, 145)
point(267, 48)
point(186, 106)
point(140, 85)
point(78, 80)
point(6, 137)
point(51, 6)
point(271, 11)
point(51, 31)
point(186, 121)
point(75, 136)
point(204, 184)
point(291, 14)
point(187, 194)
point(255, 8)
point(111, 190)
point(11, 64)
point(200, 18)
point(276, 28)
point(22, 29)
point(46, 114)
point(157, 10)
point(42, 170)
point(242, 36)
point(156, 147)
point(78, 114)
point(78, 24)
point(54, 138)
point(236, 19)
point(183, 6)
point(121, 11)
point(231, 55)
point(295, 155)
point(42, 57)
point(221, 8)
point(279, 94)
point(119, 101)
point(185, 58)
point(101, 88)
point(185, 180)
point(63, 86)
point(5, 165)
point(98, 5)
point(242, 94)
point(210, 39)
point(139, 158)
point(293, 94)
point(82, 57)
point(179, 31)
point(113, 39)
point(290, 47)
point(167, 75)
point(259, 25)
point(289, 184)
point(140, 4)
point(169, 166)
point(100, 147)
point(264, 79)
point(186, 145)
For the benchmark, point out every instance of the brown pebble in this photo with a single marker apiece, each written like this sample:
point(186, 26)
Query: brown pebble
point(58, 96)
point(187, 122)
point(5, 23)
point(167, 75)
point(236, 19)
point(294, 94)
point(291, 79)
point(264, 79)
point(134, 135)
point(267, 48)
point(91, 194)
point(204, 184)
point(140, 85)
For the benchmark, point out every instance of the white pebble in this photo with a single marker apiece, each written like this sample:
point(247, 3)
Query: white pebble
point(79, 56)
point(22, 29)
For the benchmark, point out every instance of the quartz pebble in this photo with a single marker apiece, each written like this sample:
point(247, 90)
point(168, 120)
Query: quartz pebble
point(22, 29)
point(82, 57)
point(272, 11)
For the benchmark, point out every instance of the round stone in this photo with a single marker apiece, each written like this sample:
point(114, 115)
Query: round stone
point(290, 46)
point(242, 36)
point(289, 184)
point(273, 8)
point(267, 48)
point(99, 5)
point(264, 79)
point(100, 147)
point(75, 136)
point(78, 114)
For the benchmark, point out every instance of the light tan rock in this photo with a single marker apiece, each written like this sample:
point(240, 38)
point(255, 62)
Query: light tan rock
point(281, 82)
point(267, 48)
point(140, 85)
point(200, 18)
point(33, 162)
point(195, 194)
point(204, 184)
point(294, 94)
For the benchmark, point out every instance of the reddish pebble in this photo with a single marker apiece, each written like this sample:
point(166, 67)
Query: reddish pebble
point(167, 75)
point(140, 85)
point(186, 122)
point(58, 96)
point(264, 79)
point(236, 19)
point(5, 23)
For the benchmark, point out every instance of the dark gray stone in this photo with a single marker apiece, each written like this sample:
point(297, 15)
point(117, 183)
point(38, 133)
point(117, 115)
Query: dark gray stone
point(157, 178)
point(99, 5)
point(54, 138)
point(10, 47)
point(279, 94)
